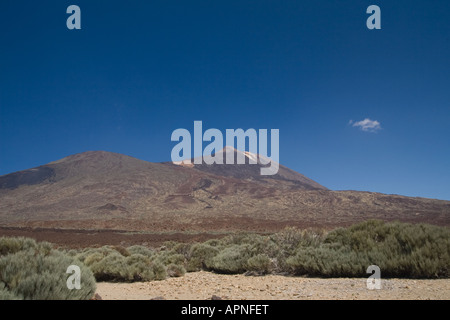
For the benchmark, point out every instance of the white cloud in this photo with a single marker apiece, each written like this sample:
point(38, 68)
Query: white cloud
point(367, 125)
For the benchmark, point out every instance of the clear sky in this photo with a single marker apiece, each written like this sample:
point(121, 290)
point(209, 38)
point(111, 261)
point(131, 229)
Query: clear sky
point(137, 70)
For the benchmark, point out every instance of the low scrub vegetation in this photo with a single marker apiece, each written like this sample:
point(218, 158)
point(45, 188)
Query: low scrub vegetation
point(35, 271)
point(112, 263)
point(399, 249)
point(29, 270)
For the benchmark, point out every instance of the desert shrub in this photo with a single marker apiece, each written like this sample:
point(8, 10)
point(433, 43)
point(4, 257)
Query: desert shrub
point(399, 249)
point(291, 238)
point(140, 268)
point(232, 259)
point(93, 258)
point(182, 248)
point(104, 251)
point(241, 238)
point(116, 267)
point(141, 250)
point(269, 247)
point(83, 254)
point(288, 239)
point(175, 270)
point(71, 252)
point(135, 263)
point(200, 257)
point(168, 245)
point(159, 270)
point(10, 245)
point(260, 263)
point(111, 267)
point(170, 257)
point(123, 251)
point(39, 274)
point(214, 242)
point(327, 262)
point(260, 244)
point(7, 295)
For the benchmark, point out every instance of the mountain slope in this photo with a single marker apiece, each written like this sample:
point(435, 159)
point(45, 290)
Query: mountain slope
point(103, 190)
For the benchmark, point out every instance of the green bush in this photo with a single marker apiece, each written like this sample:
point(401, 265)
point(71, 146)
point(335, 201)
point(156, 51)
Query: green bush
point(113, 266)
point(200, 257)
point(140, 268)
point(159, 270)
point(327, 262)
point(141, 250)
point(39, 273)
point(123, 251)
point(260, 263)
point(93, 258)
point(9, 245)
point(175, 270)
point(232, 259)
point(104, 251)
point(182, 248)
point(214, 242)
point(7, 295)
point(170, 257)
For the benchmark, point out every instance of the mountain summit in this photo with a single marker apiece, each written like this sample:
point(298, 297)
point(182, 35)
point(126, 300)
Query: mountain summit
point(251, 171)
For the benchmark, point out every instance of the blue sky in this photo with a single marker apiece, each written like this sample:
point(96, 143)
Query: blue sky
point(137, 70)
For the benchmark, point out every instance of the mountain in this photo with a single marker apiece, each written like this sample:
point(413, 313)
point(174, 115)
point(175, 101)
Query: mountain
point(110, 191)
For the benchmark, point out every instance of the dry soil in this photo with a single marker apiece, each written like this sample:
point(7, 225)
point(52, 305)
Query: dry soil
point(203, 285)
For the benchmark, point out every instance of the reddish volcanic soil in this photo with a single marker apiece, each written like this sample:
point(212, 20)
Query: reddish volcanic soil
point(91, 238)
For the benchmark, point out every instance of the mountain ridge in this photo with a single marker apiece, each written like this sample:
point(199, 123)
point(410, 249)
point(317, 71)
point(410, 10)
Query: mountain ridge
point(112, 191)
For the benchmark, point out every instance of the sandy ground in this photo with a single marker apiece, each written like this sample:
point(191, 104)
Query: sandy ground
point(203, 285)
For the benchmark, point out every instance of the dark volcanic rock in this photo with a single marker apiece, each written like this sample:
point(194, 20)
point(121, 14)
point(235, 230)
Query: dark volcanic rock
point(26, 177)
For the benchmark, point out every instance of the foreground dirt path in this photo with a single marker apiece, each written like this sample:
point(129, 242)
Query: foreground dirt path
point(203, 285)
